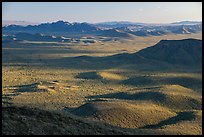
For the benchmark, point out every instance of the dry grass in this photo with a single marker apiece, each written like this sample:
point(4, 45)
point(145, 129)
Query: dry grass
point(124, 114)
point(111, 76)
point(30, 79)
point(26, 121)
point(101, 75)
point(172, 96)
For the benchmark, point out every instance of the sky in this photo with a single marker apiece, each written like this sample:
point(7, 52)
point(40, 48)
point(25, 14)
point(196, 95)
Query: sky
point(93, 12)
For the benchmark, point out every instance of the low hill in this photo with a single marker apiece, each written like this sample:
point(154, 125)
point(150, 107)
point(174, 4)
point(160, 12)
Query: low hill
point(171, 96)
point(165, 55)
point(183, 52)
point(33, 121)
point(124, 114)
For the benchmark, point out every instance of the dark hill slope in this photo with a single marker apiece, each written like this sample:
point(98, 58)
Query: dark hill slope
point(182, 52)
point(167, 54)
point(33, 121)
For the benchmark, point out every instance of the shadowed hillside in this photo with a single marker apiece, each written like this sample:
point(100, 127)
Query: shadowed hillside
point(27, 121)
point(166, 54)
point(33, 121)
point(182, 52)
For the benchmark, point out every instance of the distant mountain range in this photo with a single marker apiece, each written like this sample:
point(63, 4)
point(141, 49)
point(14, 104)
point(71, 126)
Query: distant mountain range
point(35, 37)
point(115, 33)
point(118, 24)
point(22, 23)
point(108, 29)
point(187, 22)
point(59, 26)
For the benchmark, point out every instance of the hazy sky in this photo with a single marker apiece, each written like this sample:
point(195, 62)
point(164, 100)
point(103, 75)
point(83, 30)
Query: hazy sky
point(148, 12)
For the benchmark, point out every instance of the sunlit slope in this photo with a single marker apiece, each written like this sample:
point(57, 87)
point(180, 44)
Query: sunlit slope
point(125, 114)
point(171, 96)
point(100, 75)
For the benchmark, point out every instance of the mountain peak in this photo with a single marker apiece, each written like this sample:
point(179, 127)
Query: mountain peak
point(60, 21)
point(58, 26)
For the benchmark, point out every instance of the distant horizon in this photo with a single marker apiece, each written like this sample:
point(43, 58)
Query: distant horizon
point(96, 12)
point(98, 22)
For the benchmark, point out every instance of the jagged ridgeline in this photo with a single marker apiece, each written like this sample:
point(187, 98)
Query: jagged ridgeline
point(119, 29)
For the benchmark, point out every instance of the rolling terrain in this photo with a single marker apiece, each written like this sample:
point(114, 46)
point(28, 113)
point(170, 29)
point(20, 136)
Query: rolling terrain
point(129, 86)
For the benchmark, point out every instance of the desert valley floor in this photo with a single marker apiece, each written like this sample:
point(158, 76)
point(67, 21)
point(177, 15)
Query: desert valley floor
point(58, 89)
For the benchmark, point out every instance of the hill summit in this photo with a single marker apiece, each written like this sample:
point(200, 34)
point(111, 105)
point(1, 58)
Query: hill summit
point(183, 52)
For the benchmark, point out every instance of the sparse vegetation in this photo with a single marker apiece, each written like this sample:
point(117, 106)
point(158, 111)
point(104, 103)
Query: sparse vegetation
point(45, 88)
